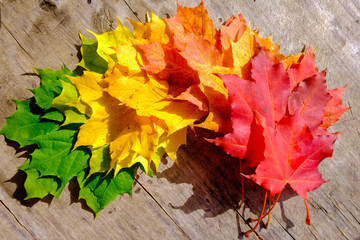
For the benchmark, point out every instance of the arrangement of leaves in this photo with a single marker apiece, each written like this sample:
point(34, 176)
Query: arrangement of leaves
point(142, 91)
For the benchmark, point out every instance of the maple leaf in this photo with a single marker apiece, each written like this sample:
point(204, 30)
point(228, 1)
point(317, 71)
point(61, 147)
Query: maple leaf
point(108, 40)
point(267, 94)
point(100, 189)
point(232, 30)
point(292, 155)
point(133, 132)
point(305, 68)
point(39, 187)
point(276, 127)
point(269, 90)
point(91, 60)
point(153, 30)
point(54, 157)
point(192, 20)
point(310, 99)
point(207, 60)
point(24, 126)
point(334, 108)
point(235, 143)
point(68, 102)
point(50, 85)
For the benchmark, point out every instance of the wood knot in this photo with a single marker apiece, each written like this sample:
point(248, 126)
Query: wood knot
point(47, 5)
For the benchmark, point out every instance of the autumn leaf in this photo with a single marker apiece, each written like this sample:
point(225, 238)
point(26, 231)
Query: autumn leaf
point(153, 30)
point(232, 30)
point(142, 90)
point(54, 157)
point(100, 189)
point(192, 20)
point(50, 85)
point(292, 155)
point(108, 40)
point(267, 94)
point(276, 128)
point(334, 108)
point(305, 68)
point(310, 99)
point(235, 143)
point(68, 102)
point(39, 187)
point(24, 126)
point(91, 60)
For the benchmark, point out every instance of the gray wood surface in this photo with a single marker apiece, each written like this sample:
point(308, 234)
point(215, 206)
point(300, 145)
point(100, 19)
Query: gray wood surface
point(196, 199)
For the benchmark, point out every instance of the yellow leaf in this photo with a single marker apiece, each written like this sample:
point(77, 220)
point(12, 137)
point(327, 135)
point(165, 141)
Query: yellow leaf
point(108, 40)
point(243, 50)
point(69, 98)
point(128, 57)
point(151, 31)
point(88, 86)
point(122, 85)
point(172, 142)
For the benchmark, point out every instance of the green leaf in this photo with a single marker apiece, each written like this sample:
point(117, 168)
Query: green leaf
point(73, 116)
point(24, 126)
point(69, 104)
point(100, 160)
point(55, 158)
point(50, 85)
point(100, 189)
point(53, 115)
point(90, 58)
point(39, 187)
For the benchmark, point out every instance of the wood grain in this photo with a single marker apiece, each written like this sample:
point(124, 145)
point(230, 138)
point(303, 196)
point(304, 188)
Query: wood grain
point(198, 198)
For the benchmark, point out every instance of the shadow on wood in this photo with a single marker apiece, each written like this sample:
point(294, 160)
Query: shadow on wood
point(74, 189)
point(216, 180)
point(20, 192)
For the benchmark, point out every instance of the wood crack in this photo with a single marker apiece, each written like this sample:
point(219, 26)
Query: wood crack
point(167, 214)
point(244, 220)
point(286, 229)
point(135, 13)
point(12, 35)
point(22, 225)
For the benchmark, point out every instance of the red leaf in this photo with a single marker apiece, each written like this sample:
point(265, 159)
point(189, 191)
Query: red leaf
point(235, 143)
point(310, 99)
point(270, 96)
point(256, 146)
point(334, 109)
point(305, 69)
point(267, 95)
point(292, 156)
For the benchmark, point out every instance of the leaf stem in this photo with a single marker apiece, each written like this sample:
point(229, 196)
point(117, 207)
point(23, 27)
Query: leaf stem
point(307, 221)
point(247, 234)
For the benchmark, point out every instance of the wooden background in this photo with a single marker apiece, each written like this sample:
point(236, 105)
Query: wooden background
point(197, 199)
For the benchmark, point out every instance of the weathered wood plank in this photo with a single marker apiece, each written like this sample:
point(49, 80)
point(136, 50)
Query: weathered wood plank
point(45, 34)
point(335, 35)
point(10, 228)
point(193, 196)
point(129, 217)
